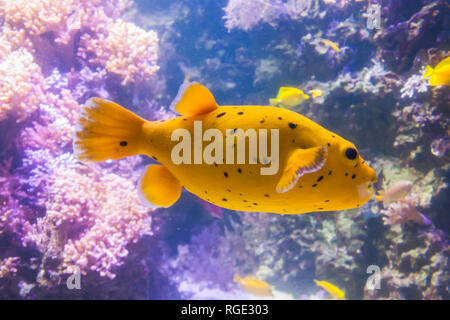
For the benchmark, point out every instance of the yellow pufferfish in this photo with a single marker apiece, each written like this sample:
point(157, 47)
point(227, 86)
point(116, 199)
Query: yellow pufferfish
point(318, 170)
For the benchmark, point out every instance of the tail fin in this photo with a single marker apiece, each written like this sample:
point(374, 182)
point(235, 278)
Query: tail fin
point(105, 131)
point(428, 72)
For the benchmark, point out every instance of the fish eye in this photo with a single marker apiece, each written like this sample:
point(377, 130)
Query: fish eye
point(351, 153)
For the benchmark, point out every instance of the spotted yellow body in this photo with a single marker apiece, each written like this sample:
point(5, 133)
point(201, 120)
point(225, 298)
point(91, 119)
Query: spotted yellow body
point(314, 173)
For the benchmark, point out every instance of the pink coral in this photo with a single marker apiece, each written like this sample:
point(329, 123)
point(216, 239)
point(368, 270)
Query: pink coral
point(63, 18)
point(8, 266)
point(22, 86)
point(91, 217)
point(245, 14)
point(124, 49)
point(404, 210)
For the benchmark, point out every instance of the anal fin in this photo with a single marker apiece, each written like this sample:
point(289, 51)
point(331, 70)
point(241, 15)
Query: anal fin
point(300, 162)
point(158, 187)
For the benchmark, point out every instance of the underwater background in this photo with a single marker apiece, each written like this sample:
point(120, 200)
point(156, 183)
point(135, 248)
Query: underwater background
point(59, 216)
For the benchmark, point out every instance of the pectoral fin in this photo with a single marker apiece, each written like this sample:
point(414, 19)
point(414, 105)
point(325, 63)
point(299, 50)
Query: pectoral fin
point(300, 162)
point(193, 99)
point(158, 187)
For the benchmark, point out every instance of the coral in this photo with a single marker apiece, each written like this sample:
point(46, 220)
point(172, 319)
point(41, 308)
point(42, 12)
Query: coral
point(8, 266)
point(62, 18)
point(125, 50)
point(22, 85)
point(415, 83)
point(404, 210)
point(247, 14)
point(91, 216)
point(400, 42)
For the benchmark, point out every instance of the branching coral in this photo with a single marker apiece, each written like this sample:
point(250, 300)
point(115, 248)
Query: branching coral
point(404, 210)
point(22, 85)
point(8, 266)
point(245, 15)
point(62, 18)
point(91, 217)
point(124, 49)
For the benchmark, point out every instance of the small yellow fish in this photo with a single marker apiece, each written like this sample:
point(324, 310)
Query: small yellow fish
point(289, 97)
point(398, 191)
point(440, 75)
point(215, 153)
point(316, 93)
point(331, 44)
point(254, 286)
point(331, 289)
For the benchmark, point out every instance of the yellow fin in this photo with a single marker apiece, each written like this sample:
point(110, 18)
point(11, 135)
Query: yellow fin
point(428, 72)
point(286, 89)
point(158, 187)
point(105, 131)
point(300, 162)
point(273, 102)
point(443, 63)
point(193, 99)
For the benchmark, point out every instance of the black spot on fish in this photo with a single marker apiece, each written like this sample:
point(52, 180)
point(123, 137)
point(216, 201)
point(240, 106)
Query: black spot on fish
point(320, 178)
point(293, 140)
point(346, 174)
point(254, 203)
point(280, 118)
point(123, 143)
point(356, 165)
point(239, 170)
point(184, 119)
point(244, 200)
point(221, 114)
point(333, 136)
point(314, 185)
point(240, 113)
point(320, 208)
point(262, 121)
point(206, 192)
point(292, 125)
point(354, 176)
point(363, 162)
point(266, 195)
point(155, 158)
point(224, 199)
point(327, 200)
point(329, 173)
point(225, 174)
point(228, 190)
point(300, 187)
point(357, 205)
point(240, 194)
point(329, 144)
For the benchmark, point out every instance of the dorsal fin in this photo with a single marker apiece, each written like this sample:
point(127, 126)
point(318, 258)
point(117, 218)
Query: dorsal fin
point(193, 99)
point(300, 162)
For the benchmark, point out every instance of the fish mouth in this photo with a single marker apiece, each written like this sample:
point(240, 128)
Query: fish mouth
point(366, 190)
